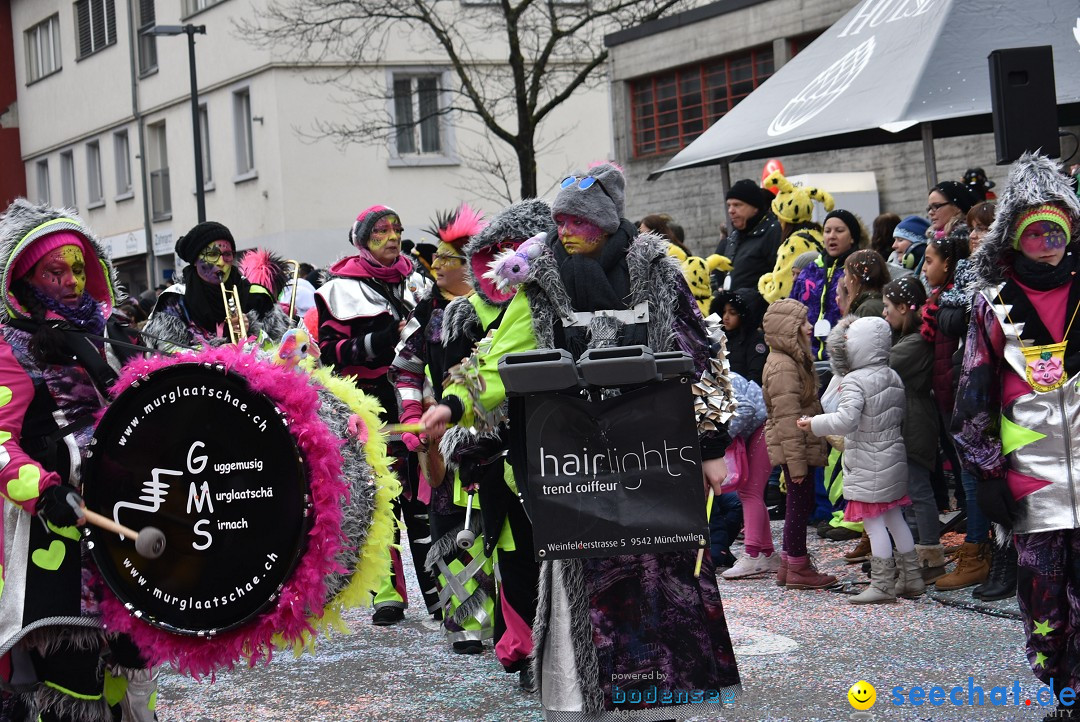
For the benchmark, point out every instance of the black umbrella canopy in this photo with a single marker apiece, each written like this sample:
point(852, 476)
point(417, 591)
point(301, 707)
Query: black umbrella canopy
point(885, 68)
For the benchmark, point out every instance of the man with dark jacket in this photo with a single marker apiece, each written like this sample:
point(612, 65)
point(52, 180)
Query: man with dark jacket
point(752, 246)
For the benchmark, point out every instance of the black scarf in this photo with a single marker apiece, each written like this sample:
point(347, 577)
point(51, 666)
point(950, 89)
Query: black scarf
point(599, 284)
point(204, 303)
point(1043, 276)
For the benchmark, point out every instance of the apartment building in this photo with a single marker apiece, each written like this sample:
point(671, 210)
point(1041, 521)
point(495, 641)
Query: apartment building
point(106, 127)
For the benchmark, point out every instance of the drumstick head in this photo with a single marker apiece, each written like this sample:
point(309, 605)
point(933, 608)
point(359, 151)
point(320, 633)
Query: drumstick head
point(150, 543)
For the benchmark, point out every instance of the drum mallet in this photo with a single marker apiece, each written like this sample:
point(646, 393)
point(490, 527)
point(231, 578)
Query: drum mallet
point(708, 517)
point(149, 543)
point(465, 537)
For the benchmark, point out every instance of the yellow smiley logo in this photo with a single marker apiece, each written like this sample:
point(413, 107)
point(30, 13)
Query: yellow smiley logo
point(862, 695)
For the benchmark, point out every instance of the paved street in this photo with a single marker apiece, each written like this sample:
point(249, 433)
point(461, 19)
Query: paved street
point(798, 652)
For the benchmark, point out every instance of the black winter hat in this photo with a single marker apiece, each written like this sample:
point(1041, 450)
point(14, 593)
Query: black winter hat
point(956, 193)
point(749, 192)
point(191, 243)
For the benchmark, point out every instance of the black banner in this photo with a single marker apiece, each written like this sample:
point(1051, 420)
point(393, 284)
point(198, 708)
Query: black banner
point(194, 452)
point(611, 477)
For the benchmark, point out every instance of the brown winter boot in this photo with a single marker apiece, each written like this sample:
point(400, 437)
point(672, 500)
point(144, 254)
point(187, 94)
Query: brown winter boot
point(781, 573)
point(861, 552)
point(972, 567)
point(801, 574)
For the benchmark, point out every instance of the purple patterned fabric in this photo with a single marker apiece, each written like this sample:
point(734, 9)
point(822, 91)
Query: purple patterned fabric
point(1048, 592)
point(649, 614)
point(815, 288)
point(976, 418)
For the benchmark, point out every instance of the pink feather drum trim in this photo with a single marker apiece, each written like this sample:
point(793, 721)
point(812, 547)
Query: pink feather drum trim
point(304, 594)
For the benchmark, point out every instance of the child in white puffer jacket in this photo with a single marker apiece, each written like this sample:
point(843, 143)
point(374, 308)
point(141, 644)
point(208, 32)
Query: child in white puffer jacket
point(869, 416)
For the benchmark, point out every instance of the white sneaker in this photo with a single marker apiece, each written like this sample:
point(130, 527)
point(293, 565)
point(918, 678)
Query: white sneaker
point(748, 566)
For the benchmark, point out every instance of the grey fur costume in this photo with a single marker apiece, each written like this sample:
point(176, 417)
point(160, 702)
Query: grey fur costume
point(1033, 180)
point(655, 278)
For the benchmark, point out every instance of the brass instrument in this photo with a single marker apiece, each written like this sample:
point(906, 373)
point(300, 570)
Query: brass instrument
point(234, 314)
point(295, 278)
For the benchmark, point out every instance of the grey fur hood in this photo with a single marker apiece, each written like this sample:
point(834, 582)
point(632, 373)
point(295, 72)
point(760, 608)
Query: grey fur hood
point(519, 222)
point(856, 343)
point(23, 223)
point(1033, 180)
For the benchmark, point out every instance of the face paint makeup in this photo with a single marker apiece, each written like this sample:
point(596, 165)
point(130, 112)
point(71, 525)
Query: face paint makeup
point(214, 264)
point(61, 275)
point(578, 235)
point(385, 239)
point(1044, 241)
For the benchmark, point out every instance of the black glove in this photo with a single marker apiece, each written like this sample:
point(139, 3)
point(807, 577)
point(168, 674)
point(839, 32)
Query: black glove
point(54, 506)
point(385, 340)
point(996, 501)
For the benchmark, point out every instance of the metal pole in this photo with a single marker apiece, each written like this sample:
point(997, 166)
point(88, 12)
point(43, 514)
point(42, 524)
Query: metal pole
point(200, 191)
point(928, 154)
point(140, 126)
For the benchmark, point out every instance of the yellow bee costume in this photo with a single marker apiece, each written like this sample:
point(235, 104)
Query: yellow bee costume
point(793, 204)
point(697, 270)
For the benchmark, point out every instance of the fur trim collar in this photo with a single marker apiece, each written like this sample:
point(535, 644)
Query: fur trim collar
point(654, 278)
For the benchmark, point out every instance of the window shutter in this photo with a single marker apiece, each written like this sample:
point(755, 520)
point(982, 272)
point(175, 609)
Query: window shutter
point(82, 20)
point(110, 23)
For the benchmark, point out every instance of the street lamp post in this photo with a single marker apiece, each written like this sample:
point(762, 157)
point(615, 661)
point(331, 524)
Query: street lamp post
point(191, 31)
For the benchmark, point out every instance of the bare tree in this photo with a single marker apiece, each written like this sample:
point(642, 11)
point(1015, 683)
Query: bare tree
point(513, 62)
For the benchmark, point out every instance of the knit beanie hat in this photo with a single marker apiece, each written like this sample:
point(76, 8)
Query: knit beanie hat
point(912, 228)
point(804, 259)
point(1045, 212)
point(598, 196)
point(191, 243)
point(748, 192)
point(851, 221)
point(40, 248)
point(956, 193)
point(365, 222)
point(795, 204)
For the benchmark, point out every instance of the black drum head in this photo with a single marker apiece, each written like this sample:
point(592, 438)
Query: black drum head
point(194, 452)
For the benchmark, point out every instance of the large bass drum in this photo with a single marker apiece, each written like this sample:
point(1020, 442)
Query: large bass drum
point(194, 452)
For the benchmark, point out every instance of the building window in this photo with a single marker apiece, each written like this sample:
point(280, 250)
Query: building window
point(204, 142)
point(245, 148)
point(96, 21)
point(147, 43)
point(67, 179)
point(43, 49)
point(194, 6)
point(417, 115)
point(95, 189)
point(158, 165)
point(671, 109)
point(43, 182)
point(122, 154)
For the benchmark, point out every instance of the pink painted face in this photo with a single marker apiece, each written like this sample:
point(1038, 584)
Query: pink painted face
point(214, 264)
point(578, 235)
point(61, 275)
point(1043, 241)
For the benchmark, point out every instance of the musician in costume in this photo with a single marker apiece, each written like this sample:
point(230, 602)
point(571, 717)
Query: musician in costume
point(1017, 403)
point(59, 291)
point(466, 579)
point(587, 288)
point(362, 311)
point(479, 451)
point(193, 313)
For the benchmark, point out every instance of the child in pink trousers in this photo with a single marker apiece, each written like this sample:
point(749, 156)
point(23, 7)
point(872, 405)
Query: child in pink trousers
point(748, 473)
